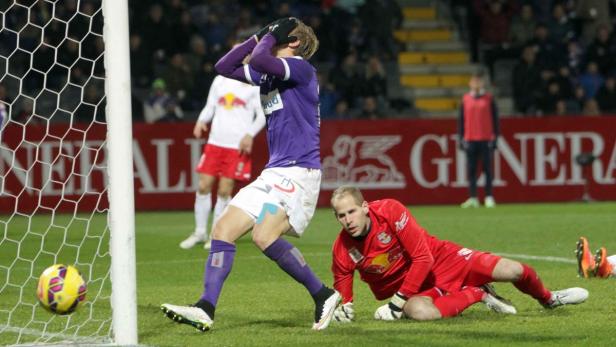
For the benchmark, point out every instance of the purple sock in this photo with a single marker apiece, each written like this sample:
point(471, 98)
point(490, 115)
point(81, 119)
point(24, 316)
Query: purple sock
point(217, 269)
point(291, 260)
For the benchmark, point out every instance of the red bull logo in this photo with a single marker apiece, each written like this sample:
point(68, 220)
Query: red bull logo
point(229, 101)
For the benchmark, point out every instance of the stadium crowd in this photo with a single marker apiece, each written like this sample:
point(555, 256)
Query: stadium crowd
point(564, 51)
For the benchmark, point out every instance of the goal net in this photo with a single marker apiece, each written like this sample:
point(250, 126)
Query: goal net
point(59, 150)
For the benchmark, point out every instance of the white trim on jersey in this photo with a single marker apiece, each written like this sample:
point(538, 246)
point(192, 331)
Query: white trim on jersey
point(287, 71)
point(247, 74)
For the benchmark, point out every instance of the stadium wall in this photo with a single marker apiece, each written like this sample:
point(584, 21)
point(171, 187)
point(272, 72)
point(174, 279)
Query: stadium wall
point(415, 161)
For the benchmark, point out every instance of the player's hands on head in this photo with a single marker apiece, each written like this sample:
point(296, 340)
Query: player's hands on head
point(266, 29)
point(344, 313)
point(282, 28)
point(391, 310)
point(199, 129)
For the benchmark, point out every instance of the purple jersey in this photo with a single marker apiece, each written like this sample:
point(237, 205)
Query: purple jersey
point(290, 100)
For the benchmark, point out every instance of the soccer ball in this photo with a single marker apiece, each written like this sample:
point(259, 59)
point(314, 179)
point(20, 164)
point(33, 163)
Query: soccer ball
point(61, 289)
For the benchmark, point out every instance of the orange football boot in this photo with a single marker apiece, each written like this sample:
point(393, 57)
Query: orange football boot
point(604, 269)
point(586, 262)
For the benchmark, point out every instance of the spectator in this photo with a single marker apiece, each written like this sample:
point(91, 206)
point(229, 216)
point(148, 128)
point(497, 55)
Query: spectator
point(522, 27)
point(606, 97)
point(182, 32)
point(526, 81)
point(575, 105)
point(140, 62)
point(591, 80)
point(178, 77)
point(593, 14)
point(495, 21)
point(370, 109)
point(549, 53)
point(348, 78)
point(602, 50)
point(591, 108)
point(342, 110)
point(560, 27)
point(574, 57)
point(376, 80)
point(380, 18)
point(548, 102)
point(160, 106)
point(328, 97)
point(561, 108)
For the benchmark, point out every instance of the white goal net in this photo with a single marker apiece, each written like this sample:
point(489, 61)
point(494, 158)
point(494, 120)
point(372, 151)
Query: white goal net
point(55, 156)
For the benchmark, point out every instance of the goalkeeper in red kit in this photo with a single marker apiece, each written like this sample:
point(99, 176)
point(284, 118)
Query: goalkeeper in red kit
point(425, 278)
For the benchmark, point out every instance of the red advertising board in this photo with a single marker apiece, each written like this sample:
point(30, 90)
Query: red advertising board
point(415, 161)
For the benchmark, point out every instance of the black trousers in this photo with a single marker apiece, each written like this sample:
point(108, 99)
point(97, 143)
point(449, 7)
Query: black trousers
point(479, 150)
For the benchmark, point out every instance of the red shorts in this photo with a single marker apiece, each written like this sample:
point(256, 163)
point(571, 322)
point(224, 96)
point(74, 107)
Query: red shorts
point(479, 272)
point(224, 162)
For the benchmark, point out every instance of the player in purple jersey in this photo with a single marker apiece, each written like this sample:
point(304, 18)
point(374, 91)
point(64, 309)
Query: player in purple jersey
point(283, 198)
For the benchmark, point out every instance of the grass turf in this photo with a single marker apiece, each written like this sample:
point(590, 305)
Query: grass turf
point(262, 306)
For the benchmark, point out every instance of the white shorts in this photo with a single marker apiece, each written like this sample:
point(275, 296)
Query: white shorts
point(294, 189)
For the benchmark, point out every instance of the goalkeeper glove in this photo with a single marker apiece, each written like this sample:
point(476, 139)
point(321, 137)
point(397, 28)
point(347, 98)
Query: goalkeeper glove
point(392, 310)
point(344, 313)
point(282, 29)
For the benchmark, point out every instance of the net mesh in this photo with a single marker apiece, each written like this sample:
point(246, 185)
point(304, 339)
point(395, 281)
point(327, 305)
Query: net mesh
point(53, 201)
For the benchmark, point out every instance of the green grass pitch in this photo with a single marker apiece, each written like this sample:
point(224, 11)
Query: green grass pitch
point(262, 306)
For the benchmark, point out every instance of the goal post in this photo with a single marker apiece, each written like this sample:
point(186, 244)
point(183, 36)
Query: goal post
point(66, 169)
point(120, 170)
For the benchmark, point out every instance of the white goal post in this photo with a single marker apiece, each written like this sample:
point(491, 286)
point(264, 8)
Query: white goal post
point(120, 161)
point(66, 169)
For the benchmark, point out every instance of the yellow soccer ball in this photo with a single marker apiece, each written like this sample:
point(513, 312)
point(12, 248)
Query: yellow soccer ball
point(61, 289)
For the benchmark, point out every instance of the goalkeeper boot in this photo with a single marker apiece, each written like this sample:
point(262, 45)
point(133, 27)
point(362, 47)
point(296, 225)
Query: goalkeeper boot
point(604, 269)
point(192, 240)
point(190, 315)
point(470, 202)
point(569, 296)
point(496, 302)
point(326, 301)
point(586, 262)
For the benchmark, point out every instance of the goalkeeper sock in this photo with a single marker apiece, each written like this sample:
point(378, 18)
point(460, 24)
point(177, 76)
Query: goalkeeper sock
point(530, 283)
point(217, 269)
point(453, 304)
point(203, 205)
point(290, 259)
point(221, 204)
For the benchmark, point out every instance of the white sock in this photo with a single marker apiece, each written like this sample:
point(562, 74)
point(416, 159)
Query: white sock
point(221, 203)
point(203, 206)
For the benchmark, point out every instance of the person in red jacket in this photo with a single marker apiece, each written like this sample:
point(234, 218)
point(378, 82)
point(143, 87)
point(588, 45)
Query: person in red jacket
point(478, 131)
point(425, 277)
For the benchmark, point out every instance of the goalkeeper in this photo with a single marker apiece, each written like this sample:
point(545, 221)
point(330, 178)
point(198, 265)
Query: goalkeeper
point(425, 278)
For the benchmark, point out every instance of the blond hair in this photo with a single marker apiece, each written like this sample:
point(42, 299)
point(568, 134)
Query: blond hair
point(308, 42)
point(341, 192)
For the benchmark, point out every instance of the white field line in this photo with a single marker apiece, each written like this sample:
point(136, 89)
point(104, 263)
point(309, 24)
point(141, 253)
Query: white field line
point(538, 257)
point(77, 340)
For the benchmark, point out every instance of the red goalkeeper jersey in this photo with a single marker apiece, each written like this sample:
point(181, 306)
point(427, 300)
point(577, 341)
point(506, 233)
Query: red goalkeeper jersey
point(397, 255)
